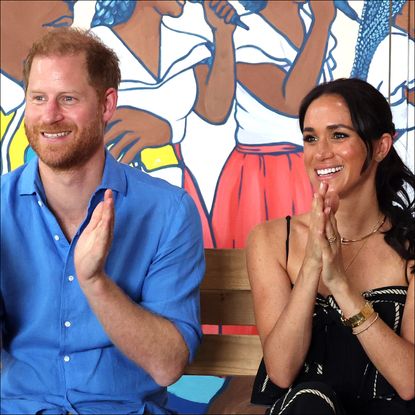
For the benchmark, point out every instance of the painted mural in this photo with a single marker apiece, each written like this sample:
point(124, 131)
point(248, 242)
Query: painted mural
point(209, 97)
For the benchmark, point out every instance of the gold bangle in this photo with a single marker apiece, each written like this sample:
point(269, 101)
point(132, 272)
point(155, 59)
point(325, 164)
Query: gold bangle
point(365, 328)
point(360, 317)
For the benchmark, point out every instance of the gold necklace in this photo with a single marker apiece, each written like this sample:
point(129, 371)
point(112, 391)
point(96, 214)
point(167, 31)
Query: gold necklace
point(379, 224)
point(356, 254)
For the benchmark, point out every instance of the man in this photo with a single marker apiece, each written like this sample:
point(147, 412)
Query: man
point(100, 263)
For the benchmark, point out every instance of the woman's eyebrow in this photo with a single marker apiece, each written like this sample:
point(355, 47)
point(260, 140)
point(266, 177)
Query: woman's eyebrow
point(335, 126)
point(331, 127)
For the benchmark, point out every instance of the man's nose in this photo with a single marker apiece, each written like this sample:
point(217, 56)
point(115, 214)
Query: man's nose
point(52, 112)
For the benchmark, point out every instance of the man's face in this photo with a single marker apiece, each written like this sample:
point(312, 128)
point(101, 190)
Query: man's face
point(64, 118)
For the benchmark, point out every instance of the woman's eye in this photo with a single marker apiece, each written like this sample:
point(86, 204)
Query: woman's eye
point(309, 138)
point(339, 136)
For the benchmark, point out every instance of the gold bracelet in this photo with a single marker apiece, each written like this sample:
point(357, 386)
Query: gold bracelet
point(360, 317)
point(365, 328)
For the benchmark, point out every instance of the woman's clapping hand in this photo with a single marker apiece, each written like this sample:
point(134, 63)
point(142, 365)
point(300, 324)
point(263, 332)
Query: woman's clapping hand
point(323, 250)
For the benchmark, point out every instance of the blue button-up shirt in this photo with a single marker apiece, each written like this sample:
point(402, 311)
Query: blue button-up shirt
point(56, 357)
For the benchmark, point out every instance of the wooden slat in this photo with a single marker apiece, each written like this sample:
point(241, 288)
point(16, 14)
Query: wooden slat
point(226, 299)
point(225, 269)
point(229, 355)
point(227, 307)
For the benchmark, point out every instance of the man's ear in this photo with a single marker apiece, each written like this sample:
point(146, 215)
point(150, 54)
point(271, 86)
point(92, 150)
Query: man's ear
point(382, 147)
point(109, 104)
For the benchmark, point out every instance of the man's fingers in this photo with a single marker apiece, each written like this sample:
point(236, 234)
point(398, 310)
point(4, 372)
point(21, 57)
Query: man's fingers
point(107, 220)
point(103, 213)
point(95, 218)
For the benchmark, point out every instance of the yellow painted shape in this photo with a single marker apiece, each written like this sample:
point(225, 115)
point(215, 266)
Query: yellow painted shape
point(154, 158)
point(18, 144)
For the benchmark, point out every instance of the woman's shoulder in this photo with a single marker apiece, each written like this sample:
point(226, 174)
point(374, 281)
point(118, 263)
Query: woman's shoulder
point(299, 224)
point(280, 228)
point(273, 235)
point(269, 231)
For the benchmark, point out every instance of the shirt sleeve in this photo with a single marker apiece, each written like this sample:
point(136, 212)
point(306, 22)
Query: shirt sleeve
point(171, 286)
point(2, 318)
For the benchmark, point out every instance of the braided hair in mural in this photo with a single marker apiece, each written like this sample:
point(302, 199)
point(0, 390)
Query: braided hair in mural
point(112, 12)
point(374, 27)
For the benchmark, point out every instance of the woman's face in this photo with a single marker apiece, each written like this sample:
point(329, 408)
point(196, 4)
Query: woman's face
point(334, 153)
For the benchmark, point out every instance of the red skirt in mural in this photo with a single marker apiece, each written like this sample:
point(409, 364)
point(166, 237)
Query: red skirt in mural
point(258, 183)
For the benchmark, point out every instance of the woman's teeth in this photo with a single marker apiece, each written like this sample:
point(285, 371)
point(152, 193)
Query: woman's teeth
point(330, 170)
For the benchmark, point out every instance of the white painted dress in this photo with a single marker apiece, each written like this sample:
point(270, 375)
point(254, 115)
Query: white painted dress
point(171, 96)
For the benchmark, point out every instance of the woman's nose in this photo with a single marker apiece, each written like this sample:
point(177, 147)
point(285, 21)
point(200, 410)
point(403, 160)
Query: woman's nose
point(324, 150)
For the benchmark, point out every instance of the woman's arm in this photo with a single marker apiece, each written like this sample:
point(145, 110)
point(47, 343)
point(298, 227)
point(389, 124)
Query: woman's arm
point(392, 354)
point(283, 315)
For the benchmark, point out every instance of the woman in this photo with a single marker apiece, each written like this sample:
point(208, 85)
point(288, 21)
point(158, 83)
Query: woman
point(334, 288)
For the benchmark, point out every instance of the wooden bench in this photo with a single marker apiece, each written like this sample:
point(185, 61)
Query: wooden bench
point(226, 300)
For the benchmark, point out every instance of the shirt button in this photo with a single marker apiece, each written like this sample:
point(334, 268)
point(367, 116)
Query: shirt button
point(56, 237)
point(67, 324)
point(71, 278)
point(66, 359)
point(39, 202)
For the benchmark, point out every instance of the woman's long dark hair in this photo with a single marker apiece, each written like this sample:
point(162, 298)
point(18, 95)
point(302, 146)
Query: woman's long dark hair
point(395, 183)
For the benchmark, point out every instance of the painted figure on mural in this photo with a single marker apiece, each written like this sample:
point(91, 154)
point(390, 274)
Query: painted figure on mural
point(21, 22)
point(378, 43)
point(284, 54)
point(166, 75)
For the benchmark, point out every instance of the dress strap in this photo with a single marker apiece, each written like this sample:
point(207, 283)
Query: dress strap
point(287, 241)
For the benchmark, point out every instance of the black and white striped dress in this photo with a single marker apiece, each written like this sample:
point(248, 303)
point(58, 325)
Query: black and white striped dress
point(337, 376)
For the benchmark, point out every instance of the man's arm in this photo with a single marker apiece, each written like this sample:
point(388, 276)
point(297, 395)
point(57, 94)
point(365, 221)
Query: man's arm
point(151, 341)
point(1, 320)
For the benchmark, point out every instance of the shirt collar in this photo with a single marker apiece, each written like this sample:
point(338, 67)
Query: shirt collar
point(30, 182)
point(113, 177)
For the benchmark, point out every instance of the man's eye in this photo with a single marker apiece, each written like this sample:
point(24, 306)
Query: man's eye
point(309, 138)
point(68, 99)
point(38, 98)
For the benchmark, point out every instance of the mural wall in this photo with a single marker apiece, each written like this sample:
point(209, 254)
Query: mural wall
point(210, 92)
